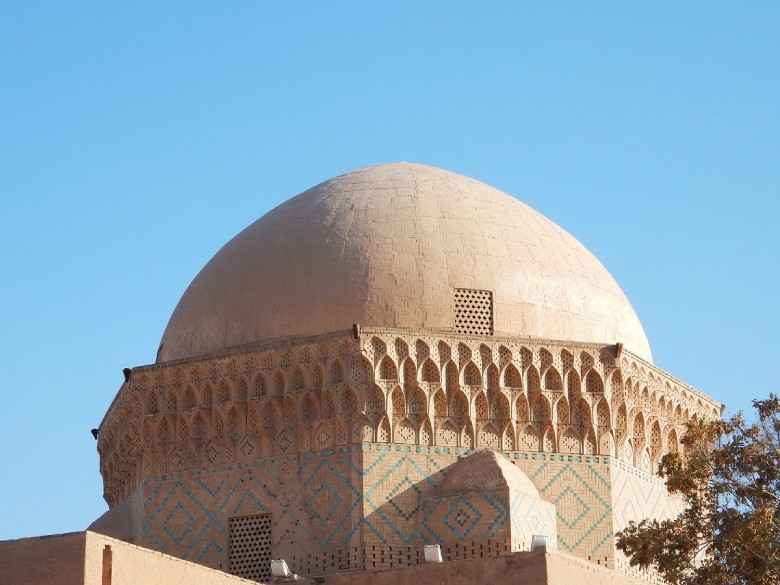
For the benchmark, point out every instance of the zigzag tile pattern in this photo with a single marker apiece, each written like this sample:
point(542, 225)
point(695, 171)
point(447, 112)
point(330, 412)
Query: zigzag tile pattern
point(579, 487)
point(637, 495)
point(338, 506)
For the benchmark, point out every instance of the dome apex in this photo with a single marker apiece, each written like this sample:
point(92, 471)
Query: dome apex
point(391, 246)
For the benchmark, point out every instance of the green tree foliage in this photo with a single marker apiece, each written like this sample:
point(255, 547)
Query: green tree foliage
point(729, 480)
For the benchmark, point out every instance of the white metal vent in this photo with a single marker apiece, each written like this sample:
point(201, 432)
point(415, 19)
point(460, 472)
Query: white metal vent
point(250, 547)
point(473, 311)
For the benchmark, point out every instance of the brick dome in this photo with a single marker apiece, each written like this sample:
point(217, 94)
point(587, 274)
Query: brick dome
point(400, 246)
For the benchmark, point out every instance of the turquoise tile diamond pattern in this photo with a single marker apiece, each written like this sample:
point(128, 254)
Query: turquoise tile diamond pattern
point(462, 517)
point(405, 498)
point(401, 507)
point(202, 512)
point(344, 498)
point(186, 513)
point(332, 485)
point(528, 517)
point(637, 495)
point(212, 545)
point(571, 507)
point(321, 499)
point(581, 496)
point(252, 503)
point(499, 520)
point(173, 523)
point(394, 500)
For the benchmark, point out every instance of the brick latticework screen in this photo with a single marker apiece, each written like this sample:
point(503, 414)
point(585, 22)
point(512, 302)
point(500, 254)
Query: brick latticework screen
point(250, 547)
point(343, 441)
point(381, 516)
point(473, 311)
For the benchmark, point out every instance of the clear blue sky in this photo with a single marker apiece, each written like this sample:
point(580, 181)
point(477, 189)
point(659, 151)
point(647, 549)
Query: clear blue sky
point(137, 138)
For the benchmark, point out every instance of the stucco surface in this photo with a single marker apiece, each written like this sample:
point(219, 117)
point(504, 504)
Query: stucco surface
point(117, 522)
point(45, 559)
point(386, 246)
point(135, 565)
point(79, 558)
point(334, 448)
point(486, 470)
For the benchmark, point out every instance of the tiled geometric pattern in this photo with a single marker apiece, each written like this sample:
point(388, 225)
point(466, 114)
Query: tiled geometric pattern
point(528, 517)
point(580, 491)
point(499, 393)
point(264, 432)
point(324, 489)
point(331, 509)
point(182, 525)
point(461, 517)
point(637, 495)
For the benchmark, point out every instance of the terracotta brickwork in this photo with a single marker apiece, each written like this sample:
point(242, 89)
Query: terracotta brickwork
point(87, 558)
point(314, 502)
point(405, 246)
point(541, 567)
point(345, 382)
point(637, 495)
point(343, 440)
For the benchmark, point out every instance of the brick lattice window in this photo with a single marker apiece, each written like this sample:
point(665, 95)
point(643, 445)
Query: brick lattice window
point(250, 547)
point(473, 311)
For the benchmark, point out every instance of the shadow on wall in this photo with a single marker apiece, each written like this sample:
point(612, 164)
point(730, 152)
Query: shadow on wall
point(479, 506)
